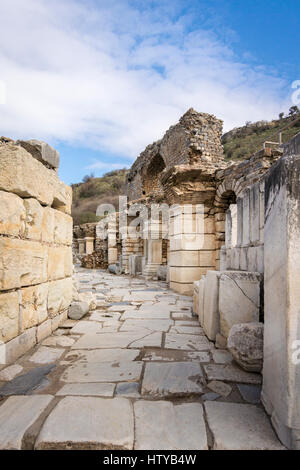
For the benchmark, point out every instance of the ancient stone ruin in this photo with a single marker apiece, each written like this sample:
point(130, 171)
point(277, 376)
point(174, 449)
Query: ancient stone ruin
point(229, 249)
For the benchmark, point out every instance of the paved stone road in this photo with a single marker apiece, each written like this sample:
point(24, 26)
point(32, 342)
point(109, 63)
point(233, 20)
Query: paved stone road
point(137, 373)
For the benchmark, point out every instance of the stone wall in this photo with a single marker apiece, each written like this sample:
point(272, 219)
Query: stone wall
point(35, 246)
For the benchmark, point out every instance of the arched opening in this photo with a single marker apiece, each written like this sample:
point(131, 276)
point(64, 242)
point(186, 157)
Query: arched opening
point(151, 179)
point(226, 223)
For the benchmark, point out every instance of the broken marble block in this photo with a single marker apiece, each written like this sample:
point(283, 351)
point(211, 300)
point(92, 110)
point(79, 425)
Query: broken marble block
point(41, 151)
point(77, 310)
point(211, 316)
point(89, 298)
point(245, 342)
point(239, 299)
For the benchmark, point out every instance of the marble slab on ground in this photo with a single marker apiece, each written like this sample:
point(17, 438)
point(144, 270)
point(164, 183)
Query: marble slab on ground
point(238, 426)
point(154, 325)
point(172, 378)
point(222, 356)
point(62, 341)
point(231, 373)
point(102, 355)
point(161, 425)
point(88, 423)
point(170, 355)
point(108, 340)
point(88, 389)
point(147, 314)
point(152, 340)
point(102, 372)
point(187, 342)
point(17, 414)
point(46, 355)
point(85, 327)
point(26, 383)
point(189, 330)
point(128, 389)
point(10, 372)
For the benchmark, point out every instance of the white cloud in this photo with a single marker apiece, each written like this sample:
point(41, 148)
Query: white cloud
point(110, 76)
point(98, 165)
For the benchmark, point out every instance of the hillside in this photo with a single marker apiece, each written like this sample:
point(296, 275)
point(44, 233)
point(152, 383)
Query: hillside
point(239, 144)
point(94, 191)
point(242, 142)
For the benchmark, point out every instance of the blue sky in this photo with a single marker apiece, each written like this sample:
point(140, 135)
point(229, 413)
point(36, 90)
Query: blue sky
point(101, 79)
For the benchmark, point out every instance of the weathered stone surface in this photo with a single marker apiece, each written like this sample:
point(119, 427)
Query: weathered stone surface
point(211, 316)
point(12, 214)
point(161, 425)
point(239, 299)
point(240, 427)
point(77, 310)
point(85, 327)
point(19, 346)
point(43, 330)
point(41, 151)
point(88, 389)
point(245, 342)
point(222, 357)
point(128, 389)
point(17, 170)
point(60, 295)
point(148, 312)
point(33, 305)
point(103, 372)
point(152, 340)
point(17, 414)
point(250, 393)
point(63, 341)
point(187, 342)
point(60, 262)
point(22, 263)
point(10, 372)
point(103, 355)
point(88, 423)
point(190, 330)
point(63, 225)
point(154, 325)
point(230, 373)
point(34, 219)
point(176, 378)
point(46, 355)
point(26, 383)
point(9, 315)
point(108, 340)
point(220, 388)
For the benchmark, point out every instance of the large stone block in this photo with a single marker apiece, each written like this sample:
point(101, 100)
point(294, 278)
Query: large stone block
point(34, 219)
point(42, 151)
point(18, 346)
point(239, 299)
point(33, 305)
point(23, 175)
point(281, 384)
point(62, 197)
point(12, 214)
point(186, 274)
point(60, 264)
point(48, 225)
point(63, 227)
point(245, 342)
point(211, 317)
point(59, 296)
point(22, 263)
point(9, 316)
point(201, 290)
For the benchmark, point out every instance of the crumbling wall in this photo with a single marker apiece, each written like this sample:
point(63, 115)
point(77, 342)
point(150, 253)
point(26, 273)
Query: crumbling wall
point(35, 246)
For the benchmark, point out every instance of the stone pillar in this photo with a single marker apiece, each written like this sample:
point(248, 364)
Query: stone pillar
point(153, 249)
point(81, 249)
point(89, 245)
point(281, 370)
point(192, 246)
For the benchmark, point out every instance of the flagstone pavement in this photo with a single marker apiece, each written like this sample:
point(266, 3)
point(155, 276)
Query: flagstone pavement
point(136, 373)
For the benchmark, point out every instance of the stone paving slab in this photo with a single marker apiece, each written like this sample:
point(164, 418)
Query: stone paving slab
point(162, 426)
point(10, 372)
point(147, 314)
point(26, 383)
point(85, 327)
point(172, 378)
point(128, 389)
point(190, 330)
point(103, 372)
point(102, 355)
point(45, 355)
point(107, 340)
point(240, 427)
point(169, 355)
point(187, 342)
point(88, 423)
point(154, 325)
point(152, 340)
point(231, 373)
point(17, 414)
point(88, 389)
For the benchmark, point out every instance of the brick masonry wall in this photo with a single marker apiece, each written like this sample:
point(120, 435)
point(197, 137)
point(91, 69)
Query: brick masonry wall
point(35, 246)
